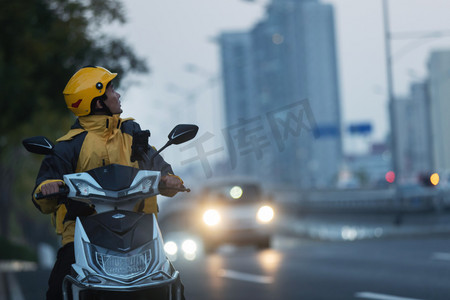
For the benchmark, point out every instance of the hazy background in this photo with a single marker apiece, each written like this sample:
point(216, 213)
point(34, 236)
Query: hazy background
point(174, 34)
point(178, 39)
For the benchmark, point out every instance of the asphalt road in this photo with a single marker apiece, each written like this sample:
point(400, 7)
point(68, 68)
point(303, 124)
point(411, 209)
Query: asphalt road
point(397, 268)
point(385, 269)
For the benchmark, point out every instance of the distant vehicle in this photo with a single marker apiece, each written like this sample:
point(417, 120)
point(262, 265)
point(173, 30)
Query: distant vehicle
point(234, 211)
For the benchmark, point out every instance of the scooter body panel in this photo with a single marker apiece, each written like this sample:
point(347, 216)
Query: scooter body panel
point(118, 251)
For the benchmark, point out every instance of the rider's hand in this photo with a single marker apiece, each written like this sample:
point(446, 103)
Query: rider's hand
point(51, 188)
point(169, 184)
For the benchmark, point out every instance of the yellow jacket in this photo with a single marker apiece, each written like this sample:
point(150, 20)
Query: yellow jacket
point(93, 141)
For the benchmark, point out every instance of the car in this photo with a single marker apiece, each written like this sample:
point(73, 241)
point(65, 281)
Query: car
point(236, 211)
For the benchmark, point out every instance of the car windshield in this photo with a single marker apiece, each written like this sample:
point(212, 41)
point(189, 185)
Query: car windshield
point(232, 193)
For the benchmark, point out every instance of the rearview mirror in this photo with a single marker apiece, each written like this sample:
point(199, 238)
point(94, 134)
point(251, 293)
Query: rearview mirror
point(179, 134)
point(182, 133)
point(38, 145)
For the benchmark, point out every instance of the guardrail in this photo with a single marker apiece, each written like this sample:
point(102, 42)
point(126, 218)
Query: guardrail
point(363, 200)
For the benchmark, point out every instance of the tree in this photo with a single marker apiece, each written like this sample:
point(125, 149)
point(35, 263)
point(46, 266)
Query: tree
point(42, 43)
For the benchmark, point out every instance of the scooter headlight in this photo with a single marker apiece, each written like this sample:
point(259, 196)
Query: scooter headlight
point(123, 266)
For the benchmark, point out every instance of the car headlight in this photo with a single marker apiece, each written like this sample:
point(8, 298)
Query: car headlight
point(189, 246)
point(171, 248)
point(236, 192)
point(265, 214)
point(211, 217)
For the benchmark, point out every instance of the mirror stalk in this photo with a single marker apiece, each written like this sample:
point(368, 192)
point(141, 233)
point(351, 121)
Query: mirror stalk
point(152, 158)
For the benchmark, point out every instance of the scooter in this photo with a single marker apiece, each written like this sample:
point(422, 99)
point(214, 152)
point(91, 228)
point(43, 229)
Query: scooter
point(119, 253)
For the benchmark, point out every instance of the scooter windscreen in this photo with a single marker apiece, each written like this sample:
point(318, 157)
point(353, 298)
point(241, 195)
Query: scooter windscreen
point(112, 183)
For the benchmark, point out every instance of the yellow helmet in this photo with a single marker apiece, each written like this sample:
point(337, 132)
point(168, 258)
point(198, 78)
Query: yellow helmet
point(85, 85)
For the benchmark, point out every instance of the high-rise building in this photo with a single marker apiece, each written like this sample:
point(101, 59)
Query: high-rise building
point(439, 89)
point(237, 71)
point(413, 146)
point(282, 95)
point(421, 128)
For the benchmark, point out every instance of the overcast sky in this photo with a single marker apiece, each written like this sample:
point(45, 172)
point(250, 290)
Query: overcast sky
point(174, 33)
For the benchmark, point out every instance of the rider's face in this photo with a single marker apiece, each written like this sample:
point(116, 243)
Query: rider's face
point(112, 100)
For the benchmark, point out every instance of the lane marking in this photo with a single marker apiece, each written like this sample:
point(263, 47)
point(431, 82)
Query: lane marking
point(245, 276)
point(441, 256)
point(376, 296)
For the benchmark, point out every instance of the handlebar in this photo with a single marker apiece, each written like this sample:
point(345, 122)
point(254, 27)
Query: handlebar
point(183, 189)
point(63, 191)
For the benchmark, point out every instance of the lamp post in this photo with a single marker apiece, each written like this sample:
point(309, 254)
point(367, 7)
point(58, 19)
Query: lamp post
point(390, 87)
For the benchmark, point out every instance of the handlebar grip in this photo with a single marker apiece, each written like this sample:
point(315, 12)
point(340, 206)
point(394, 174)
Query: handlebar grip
point(63, 191)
